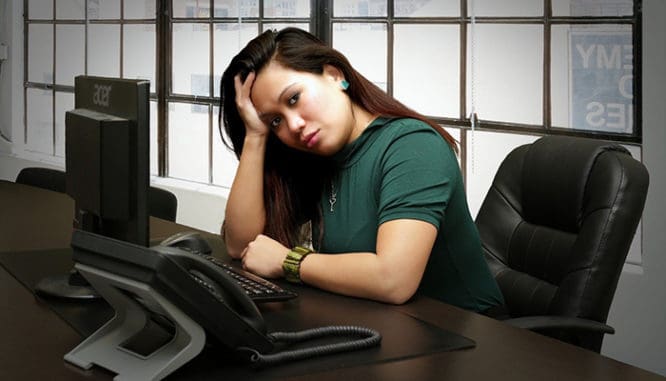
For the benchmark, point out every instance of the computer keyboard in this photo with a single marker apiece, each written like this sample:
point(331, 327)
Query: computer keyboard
point(257, 288)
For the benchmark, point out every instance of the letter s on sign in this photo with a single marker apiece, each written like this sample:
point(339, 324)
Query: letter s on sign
point(593, 117)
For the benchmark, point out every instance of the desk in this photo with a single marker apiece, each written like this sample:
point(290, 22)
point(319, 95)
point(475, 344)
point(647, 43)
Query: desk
point(34, 338)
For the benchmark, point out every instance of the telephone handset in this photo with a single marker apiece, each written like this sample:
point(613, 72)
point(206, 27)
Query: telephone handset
point(225, 288)
point(200, 289)
point(181, 283)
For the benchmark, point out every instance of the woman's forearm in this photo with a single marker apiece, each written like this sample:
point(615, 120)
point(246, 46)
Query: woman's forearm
point(245, 214)
point(392, 275)
point(360, 275)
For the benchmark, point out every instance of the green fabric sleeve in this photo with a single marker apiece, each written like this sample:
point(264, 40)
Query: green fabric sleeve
point(418, 167)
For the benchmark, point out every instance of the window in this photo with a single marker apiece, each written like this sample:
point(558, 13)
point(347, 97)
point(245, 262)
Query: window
point(561, 66)
point(202, 45)
point(66, 38)
point(523, 67)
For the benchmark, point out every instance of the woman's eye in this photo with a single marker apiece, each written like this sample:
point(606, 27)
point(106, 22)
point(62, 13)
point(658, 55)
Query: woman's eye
point(275, 123)
point(292, 101)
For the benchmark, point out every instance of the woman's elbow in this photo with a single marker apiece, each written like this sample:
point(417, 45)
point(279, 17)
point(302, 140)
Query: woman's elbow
point(398, 292)
point(399, 298)
point(234, 251)
point(233, 244)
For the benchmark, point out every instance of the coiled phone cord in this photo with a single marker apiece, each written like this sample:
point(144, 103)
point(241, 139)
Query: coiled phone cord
point(369, 339)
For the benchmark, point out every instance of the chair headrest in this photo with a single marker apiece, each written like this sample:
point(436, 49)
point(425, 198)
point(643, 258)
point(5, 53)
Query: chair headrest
point(555, 197)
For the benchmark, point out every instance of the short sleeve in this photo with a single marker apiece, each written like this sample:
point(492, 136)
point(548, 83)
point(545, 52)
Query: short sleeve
point(419, 170)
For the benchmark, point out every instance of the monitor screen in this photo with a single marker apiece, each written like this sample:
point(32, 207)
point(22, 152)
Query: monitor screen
point(107, 157)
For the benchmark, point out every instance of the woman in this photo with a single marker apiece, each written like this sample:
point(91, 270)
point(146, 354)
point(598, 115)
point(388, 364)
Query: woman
point(379, 184)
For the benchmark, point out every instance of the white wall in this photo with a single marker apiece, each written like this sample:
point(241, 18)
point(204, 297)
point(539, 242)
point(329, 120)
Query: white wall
point(10, 86)
point(200, 206)
point(638, 312)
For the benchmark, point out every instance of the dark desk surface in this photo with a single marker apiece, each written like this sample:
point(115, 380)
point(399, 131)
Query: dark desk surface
point(35, 338)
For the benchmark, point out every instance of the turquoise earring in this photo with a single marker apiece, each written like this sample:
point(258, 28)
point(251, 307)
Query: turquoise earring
point(344, 84)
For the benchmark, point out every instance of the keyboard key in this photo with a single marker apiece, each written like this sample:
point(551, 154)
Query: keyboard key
point(260, 290)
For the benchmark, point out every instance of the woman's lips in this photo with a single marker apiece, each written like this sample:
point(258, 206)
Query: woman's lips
point(311, 139)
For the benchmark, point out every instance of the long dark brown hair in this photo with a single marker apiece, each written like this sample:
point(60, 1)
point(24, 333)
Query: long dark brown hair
point(294, 180)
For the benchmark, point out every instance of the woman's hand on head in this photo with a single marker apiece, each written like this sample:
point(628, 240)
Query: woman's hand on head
point(264, 256)
point(253, 125)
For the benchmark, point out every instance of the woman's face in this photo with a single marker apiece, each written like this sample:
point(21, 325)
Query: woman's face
point(307, 112)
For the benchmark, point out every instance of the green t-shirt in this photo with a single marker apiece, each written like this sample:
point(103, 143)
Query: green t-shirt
point(403, 169)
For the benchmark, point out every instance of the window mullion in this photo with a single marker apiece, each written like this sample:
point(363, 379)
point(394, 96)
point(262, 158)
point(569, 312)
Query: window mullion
point(163, 68)
point(321, 25)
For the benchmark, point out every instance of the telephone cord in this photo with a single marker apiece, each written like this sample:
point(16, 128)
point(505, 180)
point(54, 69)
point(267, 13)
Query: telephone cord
point(369, 339)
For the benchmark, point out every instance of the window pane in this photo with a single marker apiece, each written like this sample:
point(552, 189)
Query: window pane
point(426, 70)
point(39, 120)
point(188, 142)
point(40, 10)
point(506, 8)
point(189, 9)
point(365, 47)
point(229, 40)
point(429, 8)
point(508, 79)
point(63, 103)
point(593, 8)
point(70, 53)
point(286, 8)
point(229, 8)
point(485, 152)
point(103, 9)
point(279, 26)
point(153, 139)
point(559, 74)
point(359, 8)
point(40, 53)
point(592, 77)
point(191, 59)
point(139, 9)
point(139, 54)
point(70, 10)
point(224, 159)
point(104, 50)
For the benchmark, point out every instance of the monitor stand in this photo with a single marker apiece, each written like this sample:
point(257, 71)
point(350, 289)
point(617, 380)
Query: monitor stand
point(123, 344)
point(72, 285)
point(68, 286)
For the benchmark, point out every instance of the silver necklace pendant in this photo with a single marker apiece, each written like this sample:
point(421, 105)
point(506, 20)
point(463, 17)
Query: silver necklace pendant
point(333, 197)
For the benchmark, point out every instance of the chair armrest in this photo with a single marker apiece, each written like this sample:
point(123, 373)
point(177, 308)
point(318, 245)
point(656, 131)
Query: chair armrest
point(536, 323)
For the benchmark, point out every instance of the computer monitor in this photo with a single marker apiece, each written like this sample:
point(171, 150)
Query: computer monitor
point(107, 157)
point(107, 164)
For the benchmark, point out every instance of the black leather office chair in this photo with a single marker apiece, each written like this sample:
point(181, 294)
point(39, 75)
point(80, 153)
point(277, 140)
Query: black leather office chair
point(161, 203)
point(556, 226)
point(46, 178)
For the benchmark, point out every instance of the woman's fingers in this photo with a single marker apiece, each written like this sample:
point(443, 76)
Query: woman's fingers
point(245, 106)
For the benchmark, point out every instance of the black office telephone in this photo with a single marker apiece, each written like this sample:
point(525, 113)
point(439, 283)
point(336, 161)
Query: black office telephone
point(186, 297)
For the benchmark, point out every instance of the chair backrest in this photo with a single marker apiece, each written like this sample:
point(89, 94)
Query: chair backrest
point(46, 178)
point(557, 223)
point(162, 203)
